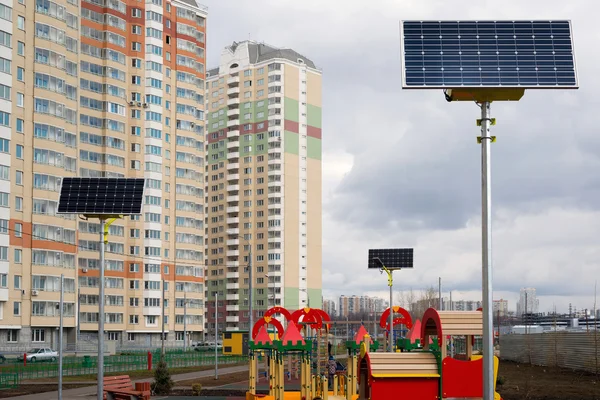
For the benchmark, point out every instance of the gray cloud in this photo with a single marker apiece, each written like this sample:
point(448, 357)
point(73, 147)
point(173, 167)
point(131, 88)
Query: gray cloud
point(415, 178)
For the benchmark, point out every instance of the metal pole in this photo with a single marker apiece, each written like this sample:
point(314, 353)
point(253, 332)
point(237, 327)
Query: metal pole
point(347, 329)
point(184, 321)
point(101, 316)
point(391, 336)
point(440, 294)
point(451, 337)
point(60, 336)
point(250, 294)
point(162, 338)
point(486, 236)
point(78, 321)
point(216, 335)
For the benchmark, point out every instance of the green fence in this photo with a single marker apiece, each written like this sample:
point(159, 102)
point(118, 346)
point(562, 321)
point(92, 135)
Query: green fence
point(9, 380)
point(76, 366)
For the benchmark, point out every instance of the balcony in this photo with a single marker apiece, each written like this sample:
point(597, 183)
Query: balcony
point(233, 209)
point(233, 155)
point(233, 133)
point(234, 231)
point(233, 188)
point(232, 318)
point(232, 308)
point(234, 220)
point(233, 90)
point(233, 166)
point(233, 145)
point(232, 275)
point(233, 199)
point(233, 177)
point(232, 285)
point(233, 122)
point(233, 101)
point(232, 80)
point(231, 297)
point(233, 112)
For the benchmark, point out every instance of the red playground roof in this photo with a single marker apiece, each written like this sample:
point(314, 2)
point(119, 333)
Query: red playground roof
point(415, 332)
point(263, 337)
point(292, 336)
point(360, 335)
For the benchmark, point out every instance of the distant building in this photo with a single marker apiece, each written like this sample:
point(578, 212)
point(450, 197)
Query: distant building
point(457, 305)
point(348, 305)
point(528, 302)
point(329, 307)
point(501, 308)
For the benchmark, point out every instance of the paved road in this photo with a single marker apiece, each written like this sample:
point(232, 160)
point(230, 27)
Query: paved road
point(87, 392)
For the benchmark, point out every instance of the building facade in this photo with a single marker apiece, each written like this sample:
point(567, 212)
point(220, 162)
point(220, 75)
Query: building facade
point(263, 182)
point(350, 305)
point(528, 302)
point(500, 308)
point(329, 308)
point(101, 88)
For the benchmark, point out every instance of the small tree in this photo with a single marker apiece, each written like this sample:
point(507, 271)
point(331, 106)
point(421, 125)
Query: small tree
point(163, 383)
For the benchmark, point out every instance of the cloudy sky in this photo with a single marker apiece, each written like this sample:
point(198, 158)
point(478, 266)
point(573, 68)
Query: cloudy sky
point(402, 168)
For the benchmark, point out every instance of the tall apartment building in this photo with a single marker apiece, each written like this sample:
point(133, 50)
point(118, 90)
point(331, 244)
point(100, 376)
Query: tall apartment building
point(101, 88)
point(263, 182)
point(528, 302)
point(500, 308)
point(329, 307)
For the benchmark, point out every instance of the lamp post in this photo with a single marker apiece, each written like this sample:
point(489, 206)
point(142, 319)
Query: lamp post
point(250, 284)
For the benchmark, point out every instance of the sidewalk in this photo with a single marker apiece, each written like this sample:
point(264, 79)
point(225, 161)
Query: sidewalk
point(84, 393)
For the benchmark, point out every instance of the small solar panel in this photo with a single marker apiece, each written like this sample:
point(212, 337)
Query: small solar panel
point(512, 54)
point(391, 258)
point(103, 196)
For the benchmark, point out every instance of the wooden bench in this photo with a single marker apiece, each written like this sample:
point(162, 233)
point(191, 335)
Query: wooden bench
point(121, 388)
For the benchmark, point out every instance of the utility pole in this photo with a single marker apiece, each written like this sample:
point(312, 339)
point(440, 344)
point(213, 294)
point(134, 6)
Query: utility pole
point(184, 320)
point(60, 336)
point(77, 317)
point(440, 294)
point(216, 335)
point(103, 238)
point(162, 338)
point(250, 294)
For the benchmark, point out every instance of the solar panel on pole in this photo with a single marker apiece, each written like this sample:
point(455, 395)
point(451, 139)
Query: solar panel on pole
point(522, 54)
point(486, 61)
point(106, 199)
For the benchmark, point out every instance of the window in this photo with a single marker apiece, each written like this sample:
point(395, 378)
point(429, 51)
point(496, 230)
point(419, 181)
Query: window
point(21, 48)
point(19, 178)
point(20, 124)
point(38, 335)
point(17, 308)
point(18, 257)
point(18, 203)
point(12, 335)
point(18, 230)
point(17, 281)
point(20, 151)
point(20, 74)
point(21, 22)
point(20, 99)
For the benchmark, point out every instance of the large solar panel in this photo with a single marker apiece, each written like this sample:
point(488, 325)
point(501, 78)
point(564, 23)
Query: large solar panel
point(519, 54)
point(391, 258)
point(101, 196)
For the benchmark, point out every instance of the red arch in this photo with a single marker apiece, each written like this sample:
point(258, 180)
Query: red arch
point(405, 319)
point(278, 310)
point(267, 321)
point(431, 325)
point(313, 315)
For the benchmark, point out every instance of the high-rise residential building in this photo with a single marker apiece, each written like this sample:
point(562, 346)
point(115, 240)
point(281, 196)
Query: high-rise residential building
point(101, 88)
point(500, 308)
point(263, 182)
point(528, 302)
point(329, 307)
point(348, 305)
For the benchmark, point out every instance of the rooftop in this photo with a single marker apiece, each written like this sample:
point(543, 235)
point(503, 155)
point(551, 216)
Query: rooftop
point(260, 52)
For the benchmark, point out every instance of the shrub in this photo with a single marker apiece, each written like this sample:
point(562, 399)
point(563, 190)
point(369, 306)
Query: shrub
point(163, 383)
point(196, 389)
point(500, 381)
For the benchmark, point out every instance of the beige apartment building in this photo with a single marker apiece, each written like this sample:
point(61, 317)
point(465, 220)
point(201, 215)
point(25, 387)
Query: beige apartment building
point(263, 182)
point(101, 88)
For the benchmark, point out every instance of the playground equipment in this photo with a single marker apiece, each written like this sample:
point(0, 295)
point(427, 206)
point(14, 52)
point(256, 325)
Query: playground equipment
point(290, 343)
point(405, 319)
point(427, 373)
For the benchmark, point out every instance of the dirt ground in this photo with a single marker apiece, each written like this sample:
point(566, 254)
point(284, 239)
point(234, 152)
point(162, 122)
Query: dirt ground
point(526, 382)
point(210, 382)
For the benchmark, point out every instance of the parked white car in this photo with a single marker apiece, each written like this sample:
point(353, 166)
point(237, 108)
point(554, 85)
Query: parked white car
point(40, 354)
